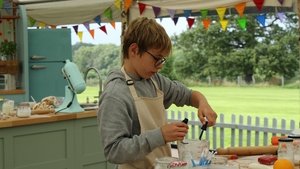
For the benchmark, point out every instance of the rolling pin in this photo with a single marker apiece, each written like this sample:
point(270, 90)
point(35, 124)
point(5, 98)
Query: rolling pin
point(248, 151)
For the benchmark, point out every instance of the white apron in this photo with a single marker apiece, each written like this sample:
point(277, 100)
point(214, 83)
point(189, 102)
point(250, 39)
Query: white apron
point(151, 114)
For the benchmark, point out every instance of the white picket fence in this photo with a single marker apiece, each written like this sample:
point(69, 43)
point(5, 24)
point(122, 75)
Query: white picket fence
point(240, 131)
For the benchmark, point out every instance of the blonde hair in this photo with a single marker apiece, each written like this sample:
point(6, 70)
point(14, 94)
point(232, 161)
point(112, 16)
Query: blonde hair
point(147, 34)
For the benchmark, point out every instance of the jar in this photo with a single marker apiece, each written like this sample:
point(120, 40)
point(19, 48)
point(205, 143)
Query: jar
point(24, 110)
point(296, 143)
point(170, 163)
point(285, 149)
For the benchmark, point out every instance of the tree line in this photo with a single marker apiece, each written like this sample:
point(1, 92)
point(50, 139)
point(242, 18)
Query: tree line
point(257, 53)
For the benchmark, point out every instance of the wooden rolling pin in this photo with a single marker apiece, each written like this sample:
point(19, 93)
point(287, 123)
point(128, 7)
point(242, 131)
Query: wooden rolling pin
point(248, 151)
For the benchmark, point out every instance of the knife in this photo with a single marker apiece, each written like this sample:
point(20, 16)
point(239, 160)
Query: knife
point(203, 128)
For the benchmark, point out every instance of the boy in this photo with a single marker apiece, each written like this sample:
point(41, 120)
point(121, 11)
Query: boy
point(132, 116)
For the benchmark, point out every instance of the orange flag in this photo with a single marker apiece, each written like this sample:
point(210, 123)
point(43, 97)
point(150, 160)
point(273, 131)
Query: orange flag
point(206, 23)
point(92, 33)
point(113, 24)
point(127, 4)
point(240, 8)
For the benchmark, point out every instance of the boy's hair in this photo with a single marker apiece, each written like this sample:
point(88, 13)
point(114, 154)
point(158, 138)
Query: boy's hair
point(147, 34)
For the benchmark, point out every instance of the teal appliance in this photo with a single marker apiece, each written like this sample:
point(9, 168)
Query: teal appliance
point(76, 85)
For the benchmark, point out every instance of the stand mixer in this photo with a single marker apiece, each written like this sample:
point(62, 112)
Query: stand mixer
point(76, 85)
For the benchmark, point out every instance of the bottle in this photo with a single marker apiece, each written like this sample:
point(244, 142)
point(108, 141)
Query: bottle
point(296, 143)
point(285, 149)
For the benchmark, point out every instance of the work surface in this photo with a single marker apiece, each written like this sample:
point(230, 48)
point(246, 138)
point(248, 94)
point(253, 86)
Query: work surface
point(44, 118)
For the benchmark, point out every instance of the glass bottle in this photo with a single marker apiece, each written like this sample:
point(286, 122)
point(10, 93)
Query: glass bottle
point(285, 149)
point(296, 143)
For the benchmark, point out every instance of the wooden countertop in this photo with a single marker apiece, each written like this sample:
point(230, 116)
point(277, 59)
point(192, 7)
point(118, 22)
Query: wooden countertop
point(44, 118)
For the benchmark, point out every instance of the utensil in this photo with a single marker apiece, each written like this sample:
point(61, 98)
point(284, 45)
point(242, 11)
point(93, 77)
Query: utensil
point(185, 120)
point(203, 128)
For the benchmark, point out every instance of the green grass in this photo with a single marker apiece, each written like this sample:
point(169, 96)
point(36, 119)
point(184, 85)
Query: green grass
point(269, 102)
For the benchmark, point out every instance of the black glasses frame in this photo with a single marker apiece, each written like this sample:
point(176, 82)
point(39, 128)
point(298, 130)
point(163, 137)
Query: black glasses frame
point(159, 61)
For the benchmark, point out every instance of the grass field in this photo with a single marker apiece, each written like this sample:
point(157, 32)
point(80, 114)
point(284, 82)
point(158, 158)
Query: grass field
point(269, 102)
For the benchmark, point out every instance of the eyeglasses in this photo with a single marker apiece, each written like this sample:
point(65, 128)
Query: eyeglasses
point(159, 61)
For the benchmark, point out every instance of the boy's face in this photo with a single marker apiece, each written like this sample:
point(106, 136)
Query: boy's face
point(148, 63)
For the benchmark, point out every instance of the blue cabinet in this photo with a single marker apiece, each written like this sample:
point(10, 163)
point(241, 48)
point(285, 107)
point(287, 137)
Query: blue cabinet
point(47, 51)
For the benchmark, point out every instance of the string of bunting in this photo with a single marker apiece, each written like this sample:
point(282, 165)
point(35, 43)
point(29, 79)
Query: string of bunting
point(205, 19)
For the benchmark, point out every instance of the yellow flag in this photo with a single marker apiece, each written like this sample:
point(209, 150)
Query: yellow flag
point(41, 25)
point(224, 24)
point(221, 12)
point(118, 4)
point(79, 34)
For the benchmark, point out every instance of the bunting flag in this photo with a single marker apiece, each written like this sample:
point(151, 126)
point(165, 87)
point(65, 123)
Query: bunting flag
point(103, 28)
point(87, 25)
point(261, 19)
point(54, 27)
point(156, 11)
point(79, 34)
point(108, 13)
point(7, 5)
point(190, 22)
point(281, 2)
point(142, 7)
point(224, 24)
point(31, 21)
point(204, 13)
point(41, 25)
point(75, 28)
point(206, 23)
point(172, 12)
point(92, 33)
point(97, 19)
point(281, 16)
point(175, 19)
point(113, 24)
point(1, 3)
point(242, 23)
point(187, 13)
point(117, 4)
point(221, 12)
point(240, 8)
point(127, 4)
point(259, 4)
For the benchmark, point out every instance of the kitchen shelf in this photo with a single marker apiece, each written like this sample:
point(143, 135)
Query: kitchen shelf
point(17, 91)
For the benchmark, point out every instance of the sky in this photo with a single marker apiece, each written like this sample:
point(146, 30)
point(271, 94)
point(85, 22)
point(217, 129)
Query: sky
point(113, 34)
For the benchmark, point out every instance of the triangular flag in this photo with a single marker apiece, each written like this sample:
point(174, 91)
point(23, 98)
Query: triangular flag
point(156, 11)
point(1, 3)
point(41, 24)
point(190, 22)
point(54, 27)
point(117, 4)
point(204, 13)
point(127, 4)
point(7, 5)
point(187, 13)
point(142, 7)
point(175, 19)
point(224, 24)
point(113, 24)
point(240, 8)
point(221, 12)
point(108, 13)
point(261, 19)
point(31, 21)
point(87, 25)
point(280, 1)
point(103, 28)
point(281, 16)
point(97, 19)
point(242, 23)
point(206, 22)
point(79, 34)
point(75, 28)
point(172, 12)
point(92, 33)
point(259, 4)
